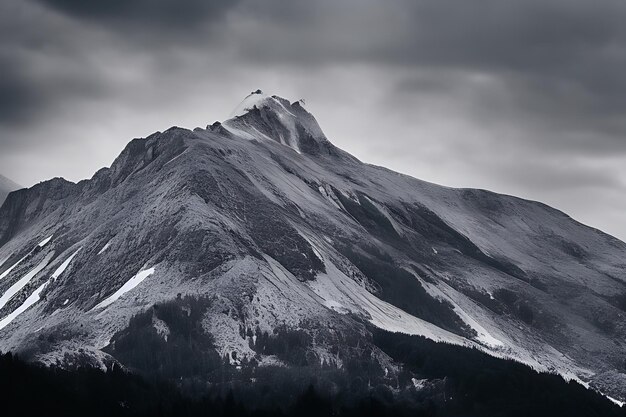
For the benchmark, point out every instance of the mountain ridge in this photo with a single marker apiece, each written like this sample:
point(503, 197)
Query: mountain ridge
point(280, 231)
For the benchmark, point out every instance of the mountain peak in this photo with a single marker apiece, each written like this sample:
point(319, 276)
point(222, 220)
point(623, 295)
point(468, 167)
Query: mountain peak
point(263, 117)
point(259, 100)
point(252, 100)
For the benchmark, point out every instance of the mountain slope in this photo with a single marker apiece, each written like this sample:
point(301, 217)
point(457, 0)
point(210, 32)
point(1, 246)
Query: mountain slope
point(6, 186)
point(274, 230)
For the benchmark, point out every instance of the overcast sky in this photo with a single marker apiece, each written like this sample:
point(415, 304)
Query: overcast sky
point(524, 97)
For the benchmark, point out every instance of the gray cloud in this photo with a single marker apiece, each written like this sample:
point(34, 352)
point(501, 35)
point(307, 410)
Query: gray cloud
point(42, 65)
point(19, 101)
point(560, 62)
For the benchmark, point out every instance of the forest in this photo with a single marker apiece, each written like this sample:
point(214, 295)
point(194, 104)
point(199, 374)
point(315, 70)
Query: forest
point(436, 380)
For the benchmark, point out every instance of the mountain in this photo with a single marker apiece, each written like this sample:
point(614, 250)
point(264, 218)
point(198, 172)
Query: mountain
point(258, 242)
point(6, 186)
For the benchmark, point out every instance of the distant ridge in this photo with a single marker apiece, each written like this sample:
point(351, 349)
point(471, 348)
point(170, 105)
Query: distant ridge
point(6, 186)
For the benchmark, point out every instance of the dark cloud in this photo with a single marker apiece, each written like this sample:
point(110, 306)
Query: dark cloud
point(18, 100)
point(42, 67)
point(28, 93)
point(52, 52)
point(514, 35)
point(560, 62)
point(146, 15)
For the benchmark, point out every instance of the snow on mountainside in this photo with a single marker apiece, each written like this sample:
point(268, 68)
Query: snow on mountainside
point(278, 229)
point(6, 186)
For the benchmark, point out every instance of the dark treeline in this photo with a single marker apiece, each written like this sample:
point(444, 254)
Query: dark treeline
point(33, 390)
point(477, 384)
point(452, 381)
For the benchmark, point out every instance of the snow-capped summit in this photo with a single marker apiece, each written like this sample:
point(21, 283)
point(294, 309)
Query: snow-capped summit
point(252, 100)
point(263, 117)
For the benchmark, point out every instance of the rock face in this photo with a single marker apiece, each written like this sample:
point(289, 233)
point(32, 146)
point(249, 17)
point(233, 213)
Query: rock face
point(259, 228)
point(6, 186)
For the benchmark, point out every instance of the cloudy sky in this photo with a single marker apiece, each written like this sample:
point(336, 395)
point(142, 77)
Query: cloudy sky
point(524, 97)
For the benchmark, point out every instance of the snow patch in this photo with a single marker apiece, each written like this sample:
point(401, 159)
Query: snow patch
point(15, 288)
point(45, 241)
point(483, 335)
point(615, 401)
point(8, 271)
point(105, 247)
point(161, 327)
point(314, 247)
point(284, 108)
point(339, 292)
point(32, 299)
point(64, 265)
point(176, 157)
point(419, 383)
point(4, 260)
point(289, 123)
point(250, 102)
point(257, 99)
point(129, 285)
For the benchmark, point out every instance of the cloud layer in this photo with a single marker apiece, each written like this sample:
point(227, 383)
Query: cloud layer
point(526, 97)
